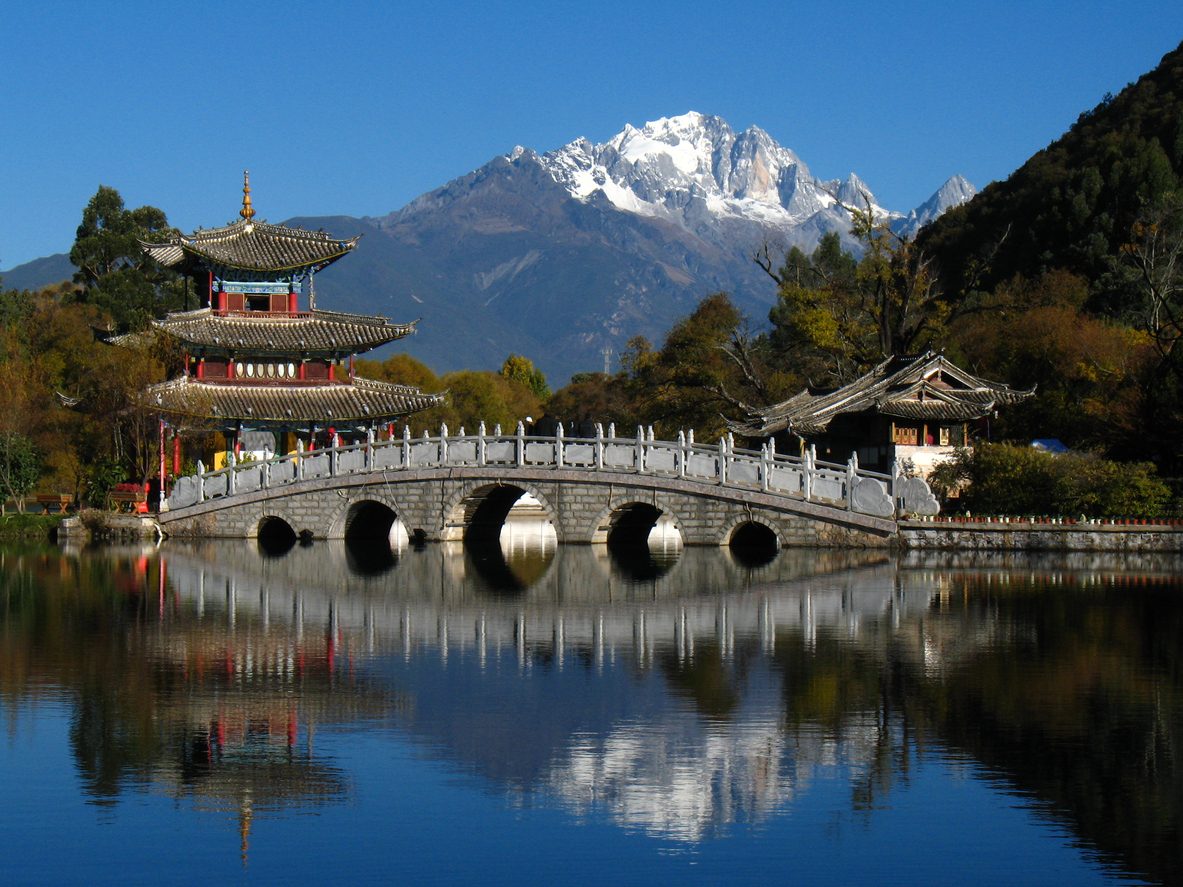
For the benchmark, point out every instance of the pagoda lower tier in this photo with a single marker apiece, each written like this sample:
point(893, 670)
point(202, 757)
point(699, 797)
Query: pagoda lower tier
point(276, 405)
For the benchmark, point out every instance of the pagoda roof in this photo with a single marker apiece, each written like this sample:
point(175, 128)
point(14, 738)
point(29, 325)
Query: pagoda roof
point(928, 387)
point(251, 246)
point(261, 332)
point(362, 401)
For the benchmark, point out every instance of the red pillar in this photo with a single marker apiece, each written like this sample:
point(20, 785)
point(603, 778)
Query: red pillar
point(176, 453)
point(201, 368)
point(292, 302)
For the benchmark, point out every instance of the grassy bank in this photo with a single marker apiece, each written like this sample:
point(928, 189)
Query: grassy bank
point(29, 526)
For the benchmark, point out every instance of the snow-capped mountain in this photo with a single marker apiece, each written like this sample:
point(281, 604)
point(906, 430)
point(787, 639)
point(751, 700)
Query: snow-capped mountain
point(565, 255)
point(953, 193)
point(697, 172)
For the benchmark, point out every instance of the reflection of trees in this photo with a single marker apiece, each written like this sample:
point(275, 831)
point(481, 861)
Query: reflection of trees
point(1085, 712)
point(200, 705)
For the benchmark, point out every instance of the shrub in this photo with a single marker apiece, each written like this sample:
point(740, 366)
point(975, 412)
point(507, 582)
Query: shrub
point(1006, 479)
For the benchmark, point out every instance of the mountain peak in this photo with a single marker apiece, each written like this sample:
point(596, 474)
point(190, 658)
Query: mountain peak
point(731, 190)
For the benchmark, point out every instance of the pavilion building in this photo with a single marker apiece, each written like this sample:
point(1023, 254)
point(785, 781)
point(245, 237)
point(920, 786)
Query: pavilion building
point(914, 409)
point(261, 375)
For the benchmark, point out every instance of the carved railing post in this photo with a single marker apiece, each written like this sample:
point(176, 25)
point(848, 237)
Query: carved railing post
point(559, 446)
point(200, 482)
point(443, 443)
point(851, 478)
point(520, 448)
point(810, 454)
point(640, 458)
point(369, 466)
point(231, 470)
point(599, 447)
point(722, 460)
point(681, 454)
point(333, 456)
point(481, 458)
point(766, 457)
point(406, 447)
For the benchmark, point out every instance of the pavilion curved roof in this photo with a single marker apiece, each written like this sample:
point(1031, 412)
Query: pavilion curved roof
point(251, 246)
point(263, 332)
point(927, 387)
point(362, 401)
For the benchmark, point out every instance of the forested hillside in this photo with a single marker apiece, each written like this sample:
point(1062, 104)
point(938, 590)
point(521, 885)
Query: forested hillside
point(1072, 205)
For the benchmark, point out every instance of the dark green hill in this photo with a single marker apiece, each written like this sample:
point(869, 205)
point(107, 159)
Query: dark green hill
point(1072, 204)
point(38, 273)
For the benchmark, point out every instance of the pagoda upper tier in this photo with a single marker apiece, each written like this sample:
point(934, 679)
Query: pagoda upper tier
point(310, 334)
point(247, 250)
point(254, 249)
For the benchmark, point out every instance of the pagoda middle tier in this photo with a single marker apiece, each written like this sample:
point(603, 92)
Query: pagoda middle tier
point(311, 334)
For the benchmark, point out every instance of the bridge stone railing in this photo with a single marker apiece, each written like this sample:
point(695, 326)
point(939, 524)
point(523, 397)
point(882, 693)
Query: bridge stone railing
point(803, 478)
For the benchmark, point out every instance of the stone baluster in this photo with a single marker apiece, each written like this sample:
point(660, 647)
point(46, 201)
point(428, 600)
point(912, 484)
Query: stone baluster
point(369, 449)
point(810, 459)
point(481, 458)
point(681, 454)
point(520, 445)
point(612, 431)
point(640, 457)
point(299, 460)
point(723, 460)
point(266, 478)
point(559, 446)
point(766, 457)
point(333, 456)
point(851, 479)
point(406, 446)
point(231, 470)
point(599, 447)
point(200, 482)
point(443, 443)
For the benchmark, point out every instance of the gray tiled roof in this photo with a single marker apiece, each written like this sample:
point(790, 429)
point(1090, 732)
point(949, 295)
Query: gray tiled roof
point(252, 246)
point(314, 332)
point(924, 387)
point(364, 401)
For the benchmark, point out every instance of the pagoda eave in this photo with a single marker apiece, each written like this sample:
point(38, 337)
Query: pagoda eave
point(361, 402)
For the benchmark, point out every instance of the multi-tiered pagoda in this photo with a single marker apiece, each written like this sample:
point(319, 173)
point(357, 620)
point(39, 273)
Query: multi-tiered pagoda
point(260, 373)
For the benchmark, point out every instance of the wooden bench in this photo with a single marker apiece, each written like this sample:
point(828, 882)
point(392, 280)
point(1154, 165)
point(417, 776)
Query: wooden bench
point(50, 501)
point(135, 501)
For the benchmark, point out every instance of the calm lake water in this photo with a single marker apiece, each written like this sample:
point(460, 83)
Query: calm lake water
point(537, 715)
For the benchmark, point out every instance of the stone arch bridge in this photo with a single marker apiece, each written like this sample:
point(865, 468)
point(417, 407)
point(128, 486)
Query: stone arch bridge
point(591, 490)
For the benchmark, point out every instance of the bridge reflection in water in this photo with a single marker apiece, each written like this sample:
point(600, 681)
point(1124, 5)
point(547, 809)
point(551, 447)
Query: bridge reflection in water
point(679, 701)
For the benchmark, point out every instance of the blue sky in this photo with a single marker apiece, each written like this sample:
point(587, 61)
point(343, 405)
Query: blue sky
point(357, 108)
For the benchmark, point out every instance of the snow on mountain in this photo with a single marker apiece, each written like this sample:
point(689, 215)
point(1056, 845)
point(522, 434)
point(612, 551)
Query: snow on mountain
point(696, 171)
point(953, 193)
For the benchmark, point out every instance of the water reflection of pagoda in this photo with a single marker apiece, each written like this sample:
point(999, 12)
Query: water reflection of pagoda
point(259, 372)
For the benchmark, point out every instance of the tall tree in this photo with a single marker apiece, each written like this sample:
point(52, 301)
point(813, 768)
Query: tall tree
point(857, 314)
point(115, 274)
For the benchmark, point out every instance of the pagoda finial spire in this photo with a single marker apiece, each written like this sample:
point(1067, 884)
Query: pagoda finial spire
point(247, 211)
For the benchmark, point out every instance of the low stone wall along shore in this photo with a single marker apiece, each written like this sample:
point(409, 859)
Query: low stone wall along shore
point(979, 535)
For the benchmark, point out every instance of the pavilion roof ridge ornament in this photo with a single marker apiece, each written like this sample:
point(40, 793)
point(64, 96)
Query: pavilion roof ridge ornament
point(247, 211)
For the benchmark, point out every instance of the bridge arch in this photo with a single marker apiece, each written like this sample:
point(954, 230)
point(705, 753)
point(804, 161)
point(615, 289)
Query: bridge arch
point(478, 510)
point(369, 514)
point(274, 535)
point(630, 517)
point(737, 523)
point(752, 538)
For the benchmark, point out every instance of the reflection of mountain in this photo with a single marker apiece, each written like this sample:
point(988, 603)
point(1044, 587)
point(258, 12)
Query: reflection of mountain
point(681, 707)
